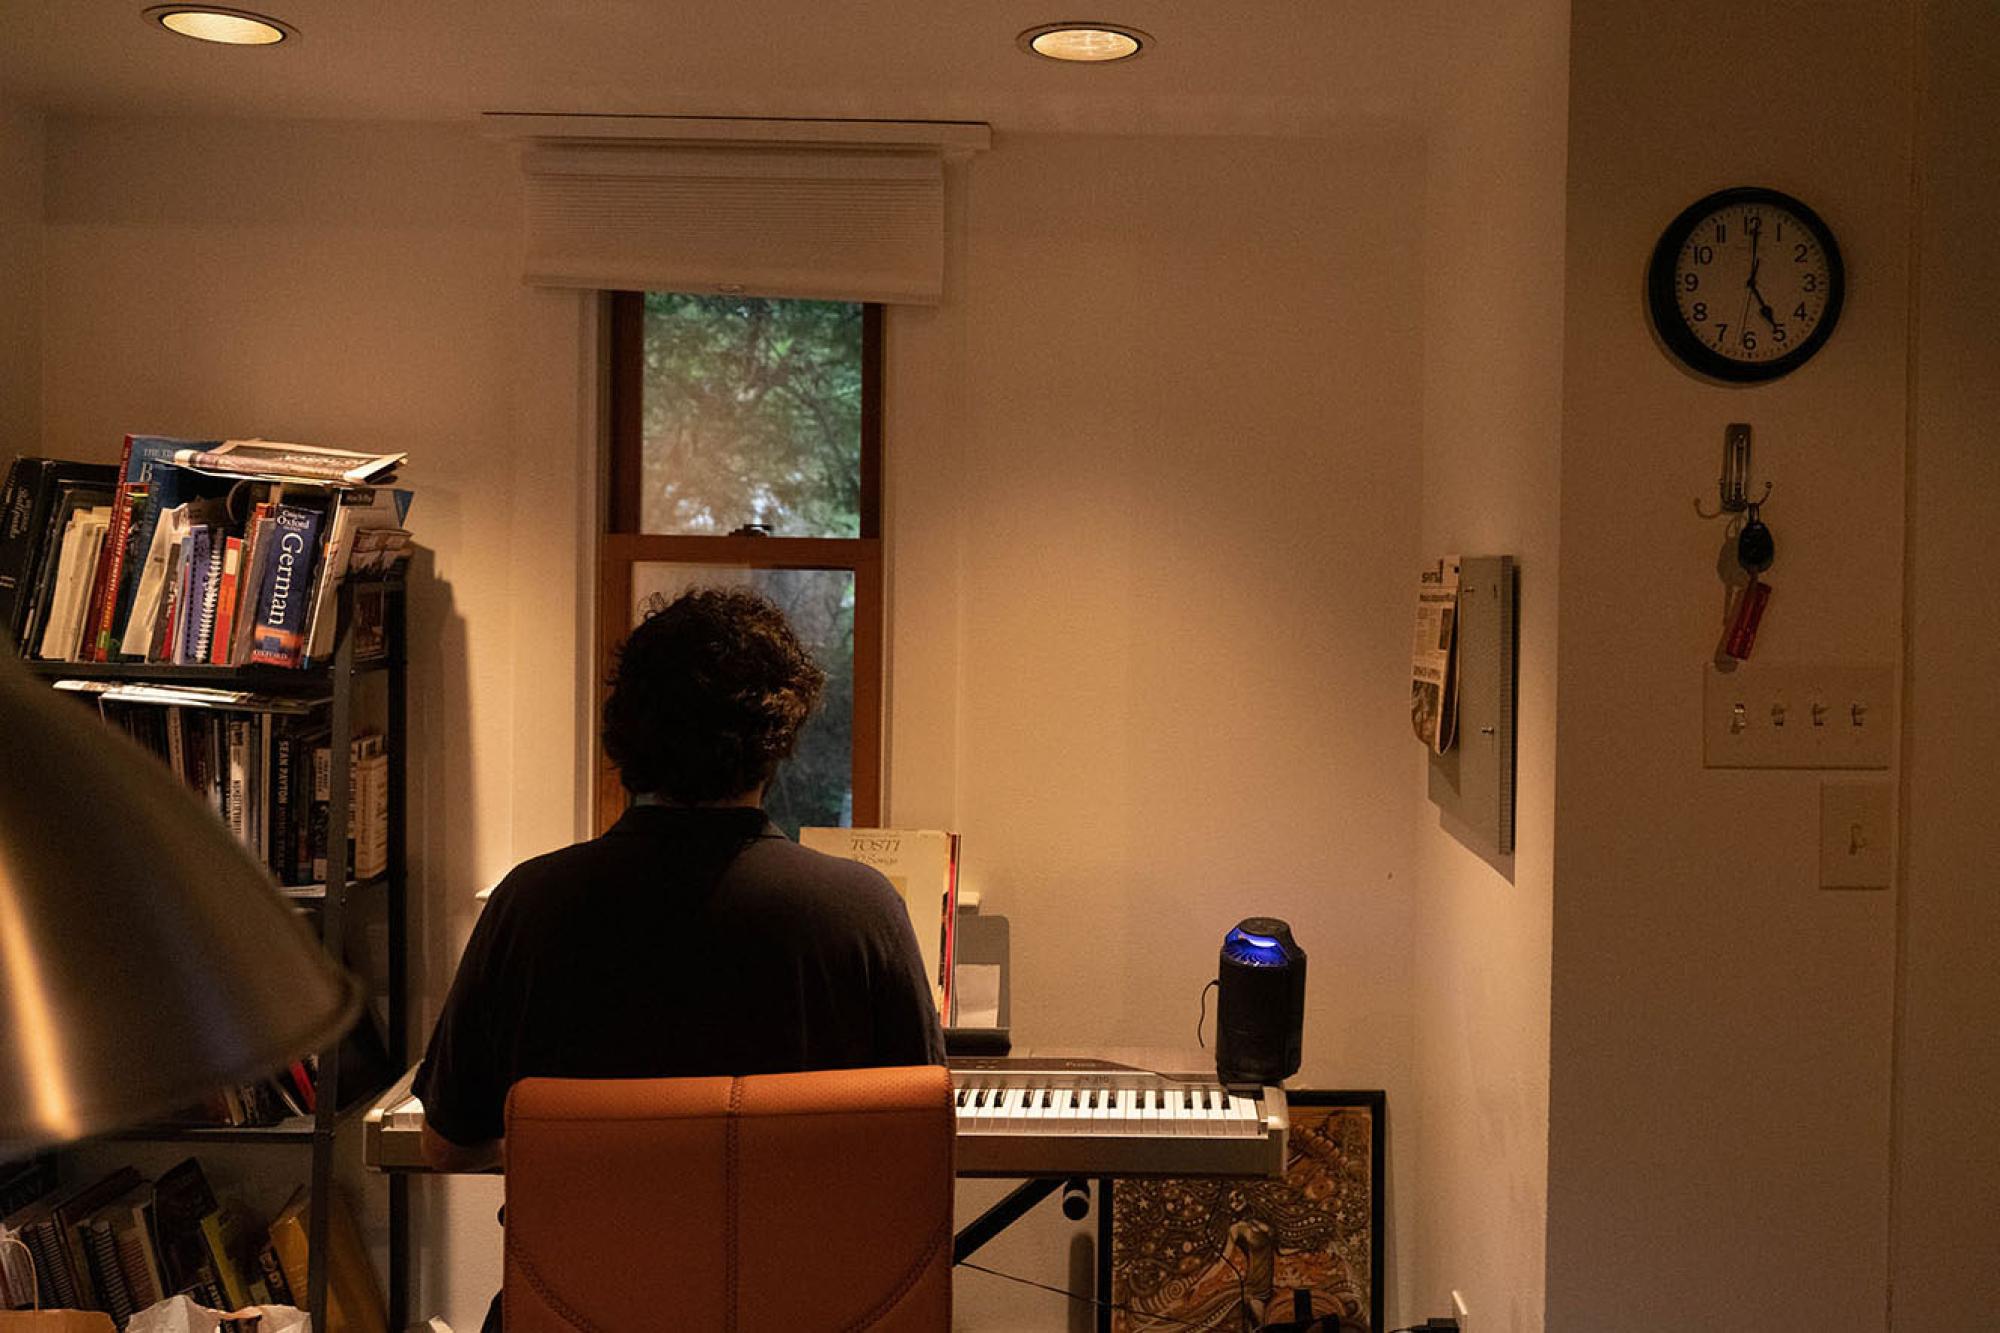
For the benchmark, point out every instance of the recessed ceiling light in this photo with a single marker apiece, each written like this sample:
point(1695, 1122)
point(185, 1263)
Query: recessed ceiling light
point(232, 27)
point(1087, 43)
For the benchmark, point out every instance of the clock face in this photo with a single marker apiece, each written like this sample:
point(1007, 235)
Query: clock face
point(1745, 285)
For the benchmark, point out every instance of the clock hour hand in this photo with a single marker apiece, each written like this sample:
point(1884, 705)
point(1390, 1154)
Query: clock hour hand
point(1763, 306)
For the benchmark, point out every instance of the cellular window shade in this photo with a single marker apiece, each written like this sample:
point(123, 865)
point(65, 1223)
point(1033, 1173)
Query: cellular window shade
point(840, 225)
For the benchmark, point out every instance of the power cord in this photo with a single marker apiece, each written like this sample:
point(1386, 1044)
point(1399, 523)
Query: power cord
point(1081, 1300)
point(1201, 1015)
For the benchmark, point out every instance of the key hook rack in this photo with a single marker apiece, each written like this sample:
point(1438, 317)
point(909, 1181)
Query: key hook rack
point(1733, 486)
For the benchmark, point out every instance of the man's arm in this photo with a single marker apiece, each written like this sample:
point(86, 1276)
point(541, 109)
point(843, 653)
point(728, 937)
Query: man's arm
point(443, 1155)
point(907, 1030)
point(468, 1064)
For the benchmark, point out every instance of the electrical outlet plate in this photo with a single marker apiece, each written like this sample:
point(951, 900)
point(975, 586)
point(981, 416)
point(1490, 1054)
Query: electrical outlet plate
point(1779, 715)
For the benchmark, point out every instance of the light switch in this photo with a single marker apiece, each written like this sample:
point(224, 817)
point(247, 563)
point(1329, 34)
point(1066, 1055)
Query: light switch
point(1782, 715)
point(1856, 835)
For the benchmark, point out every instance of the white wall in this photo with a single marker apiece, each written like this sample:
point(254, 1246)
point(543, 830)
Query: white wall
point(1152, 491)
point(1152, 486)
point(21, 156)
point(1719, 1082)
point(1492, 277)
point(1947, 1183)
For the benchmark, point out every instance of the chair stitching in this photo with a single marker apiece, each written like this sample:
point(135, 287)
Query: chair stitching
point(732, 1185)
point(562, 1308)
point(888, 1303)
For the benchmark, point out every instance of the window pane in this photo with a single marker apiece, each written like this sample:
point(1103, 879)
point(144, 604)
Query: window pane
point(816, 785)
point(751, 414)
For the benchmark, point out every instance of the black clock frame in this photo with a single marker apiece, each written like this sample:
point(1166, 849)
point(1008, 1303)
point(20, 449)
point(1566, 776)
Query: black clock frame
point(1664, 307)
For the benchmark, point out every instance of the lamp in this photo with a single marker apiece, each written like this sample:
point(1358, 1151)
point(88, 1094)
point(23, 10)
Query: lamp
point(145, 958)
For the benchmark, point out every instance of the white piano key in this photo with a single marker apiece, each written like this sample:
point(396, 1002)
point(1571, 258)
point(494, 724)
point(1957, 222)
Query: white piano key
point(1243, 1116)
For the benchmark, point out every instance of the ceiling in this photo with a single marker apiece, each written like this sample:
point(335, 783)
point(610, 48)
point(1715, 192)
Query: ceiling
point(1226, 66)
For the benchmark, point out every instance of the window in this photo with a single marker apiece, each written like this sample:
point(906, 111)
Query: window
point(746, 448)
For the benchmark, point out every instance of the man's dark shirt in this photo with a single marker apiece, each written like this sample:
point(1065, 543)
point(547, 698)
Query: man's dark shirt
point(682, 942)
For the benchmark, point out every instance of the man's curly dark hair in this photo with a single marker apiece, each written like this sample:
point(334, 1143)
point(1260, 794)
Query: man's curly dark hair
point(708, 695)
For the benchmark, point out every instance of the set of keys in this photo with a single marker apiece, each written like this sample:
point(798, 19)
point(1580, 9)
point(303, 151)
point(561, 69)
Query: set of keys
point(1755, 550)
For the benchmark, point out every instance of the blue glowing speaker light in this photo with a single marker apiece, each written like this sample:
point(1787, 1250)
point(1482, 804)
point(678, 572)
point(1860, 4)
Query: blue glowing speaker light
point(1260, 1003)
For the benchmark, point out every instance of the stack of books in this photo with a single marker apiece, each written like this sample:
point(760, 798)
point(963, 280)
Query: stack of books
point(193, 552)
point(122, 1244)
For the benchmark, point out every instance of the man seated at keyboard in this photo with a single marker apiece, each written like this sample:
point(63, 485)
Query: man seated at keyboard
point(693, 938)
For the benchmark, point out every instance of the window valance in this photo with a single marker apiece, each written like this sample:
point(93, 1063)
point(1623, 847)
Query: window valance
point(827, 210)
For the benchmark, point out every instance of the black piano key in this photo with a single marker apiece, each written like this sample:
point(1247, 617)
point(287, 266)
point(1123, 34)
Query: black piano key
point(961, 1095)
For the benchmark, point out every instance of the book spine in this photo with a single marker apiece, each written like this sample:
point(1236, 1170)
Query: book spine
point(211, 595)
point(112, 643)
point(17, 547)
point(274, 1275)
point(80, 568)
point(140, 1283)
point(177, 742)
point(280, 861)
point(279, 638)
point(260, 788)
point(225, 601)
point(322, 761)
point(187, 645)
point(58, 1285)
point(239, 780)
point(106, 1273)
point(154, 1285)
point(162, 647)
point(47, 559)
point(104, 590)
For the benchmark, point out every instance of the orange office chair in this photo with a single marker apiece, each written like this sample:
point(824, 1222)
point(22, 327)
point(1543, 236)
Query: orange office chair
point(768, 1204)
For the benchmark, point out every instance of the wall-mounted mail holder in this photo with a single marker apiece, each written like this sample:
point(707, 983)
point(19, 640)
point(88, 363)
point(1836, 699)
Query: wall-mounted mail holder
point(1473, 780)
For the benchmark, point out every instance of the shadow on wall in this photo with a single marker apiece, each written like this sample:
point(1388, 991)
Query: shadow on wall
point(443, 841)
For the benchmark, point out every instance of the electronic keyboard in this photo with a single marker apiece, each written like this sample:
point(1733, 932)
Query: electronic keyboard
point(1027, 1116)
point(1033, 1116)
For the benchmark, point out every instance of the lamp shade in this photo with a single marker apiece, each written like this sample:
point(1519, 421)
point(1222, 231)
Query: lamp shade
point(145, 957)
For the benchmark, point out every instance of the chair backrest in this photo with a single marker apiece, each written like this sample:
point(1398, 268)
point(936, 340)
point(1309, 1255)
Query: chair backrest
point(816, 1201)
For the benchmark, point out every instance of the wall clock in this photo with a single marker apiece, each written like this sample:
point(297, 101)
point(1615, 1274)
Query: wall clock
point(1745, 285)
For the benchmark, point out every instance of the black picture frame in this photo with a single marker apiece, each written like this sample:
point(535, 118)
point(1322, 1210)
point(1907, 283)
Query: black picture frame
point(1216, 1214)
point(1663, 308)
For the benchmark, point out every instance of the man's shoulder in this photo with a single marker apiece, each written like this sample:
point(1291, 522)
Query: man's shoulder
point(783, 865)
point(552, 871)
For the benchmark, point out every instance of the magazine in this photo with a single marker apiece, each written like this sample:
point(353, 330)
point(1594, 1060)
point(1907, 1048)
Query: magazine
point(1433, 677)
point(291, 462)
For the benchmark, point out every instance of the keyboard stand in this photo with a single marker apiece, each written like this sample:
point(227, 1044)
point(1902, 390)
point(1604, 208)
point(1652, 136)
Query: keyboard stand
point(1020, 1201)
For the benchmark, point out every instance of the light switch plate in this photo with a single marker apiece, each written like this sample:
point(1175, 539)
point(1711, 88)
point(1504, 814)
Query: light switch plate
point(1780, 715)
point(1856, 835)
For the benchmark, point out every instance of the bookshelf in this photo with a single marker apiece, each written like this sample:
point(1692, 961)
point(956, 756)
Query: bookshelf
point(339, 1100)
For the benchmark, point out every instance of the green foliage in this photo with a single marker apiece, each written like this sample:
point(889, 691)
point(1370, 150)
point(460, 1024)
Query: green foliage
point(752, 414)
point(814, 788)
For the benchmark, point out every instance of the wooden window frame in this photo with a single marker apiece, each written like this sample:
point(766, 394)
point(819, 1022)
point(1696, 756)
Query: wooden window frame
point(624, 546)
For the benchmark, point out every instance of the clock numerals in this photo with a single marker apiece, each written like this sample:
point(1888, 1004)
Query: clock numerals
point(1713, 262)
